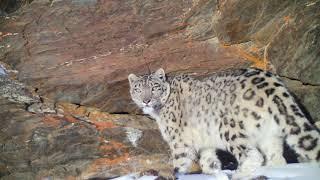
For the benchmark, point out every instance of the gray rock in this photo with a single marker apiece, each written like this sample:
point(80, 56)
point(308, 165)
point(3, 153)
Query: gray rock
point(42, 108)
point(309, 99)
point(16, 92)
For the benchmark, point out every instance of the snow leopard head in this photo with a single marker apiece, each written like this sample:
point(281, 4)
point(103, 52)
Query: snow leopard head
point(150, 91)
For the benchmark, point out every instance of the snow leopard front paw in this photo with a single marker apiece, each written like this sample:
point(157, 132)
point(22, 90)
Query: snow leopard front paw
point(209, 161)
point(213, 167)
point(210, 166)
point(182, 165)
point(251, 160)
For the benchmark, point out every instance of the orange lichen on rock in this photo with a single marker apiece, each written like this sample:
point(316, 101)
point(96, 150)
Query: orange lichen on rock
point(254, 49)
point(245, 54)
point(257, 62)
point(93, 114)
point(101, 125)
point(70, 119)
point(96, 115)
point(287, 19)
point(110, 162)
point(100, 119)
point(69, 108)
point(110, 159)
point(103, 164)
point(111, 145)
point(51, 121)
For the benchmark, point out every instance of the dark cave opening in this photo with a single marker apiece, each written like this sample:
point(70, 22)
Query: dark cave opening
point(10, 6)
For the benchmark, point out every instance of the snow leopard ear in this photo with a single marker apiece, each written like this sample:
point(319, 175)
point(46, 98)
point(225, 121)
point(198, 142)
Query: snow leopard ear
point(132, 78)
point(160, 74)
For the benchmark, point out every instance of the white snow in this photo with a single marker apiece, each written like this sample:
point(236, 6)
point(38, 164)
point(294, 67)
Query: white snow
point(2, 71)
point(292, 171)
point(133, 135)
point(298, 171)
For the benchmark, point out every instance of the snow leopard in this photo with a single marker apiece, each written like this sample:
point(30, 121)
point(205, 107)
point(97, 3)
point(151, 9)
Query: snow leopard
point(248, 112)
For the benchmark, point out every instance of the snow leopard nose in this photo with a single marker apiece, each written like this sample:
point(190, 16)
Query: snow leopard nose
point(146, 101)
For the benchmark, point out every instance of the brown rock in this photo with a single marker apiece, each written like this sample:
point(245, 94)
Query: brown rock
point(308, 100)
point(83, 53)
point(294, 52)
point(51, 146)
point(284, 34)
point(79, 143)
point(240, 21)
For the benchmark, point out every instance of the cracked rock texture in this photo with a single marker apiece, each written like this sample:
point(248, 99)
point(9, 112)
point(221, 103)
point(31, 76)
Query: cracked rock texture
point(68, 61)
point(77, 143)
point(82, 51)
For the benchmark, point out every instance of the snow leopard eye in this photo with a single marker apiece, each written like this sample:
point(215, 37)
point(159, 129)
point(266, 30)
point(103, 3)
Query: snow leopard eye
point(155, 87)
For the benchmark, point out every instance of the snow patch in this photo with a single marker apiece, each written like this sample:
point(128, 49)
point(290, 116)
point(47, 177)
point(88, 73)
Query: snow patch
point(3, 71)
point(133, 135)
point(291, 171)
point(298, 171)
point(135, 177)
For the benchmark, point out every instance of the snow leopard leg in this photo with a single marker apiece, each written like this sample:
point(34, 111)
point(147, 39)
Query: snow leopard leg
point(183, 158)
point(272, 148)
point(249, 160)
point(210, 164)
point(209, 161)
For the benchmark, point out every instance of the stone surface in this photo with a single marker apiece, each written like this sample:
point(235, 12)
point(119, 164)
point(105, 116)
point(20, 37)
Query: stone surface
point(16, 91)
point(308, 100)
point(287, 32)
point(295, 50)
point(82, 53)
point(66, 63)
point(77, 143)
point(284, 34)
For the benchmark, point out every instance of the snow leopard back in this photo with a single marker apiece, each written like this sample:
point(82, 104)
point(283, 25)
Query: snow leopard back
point(248, 106)
point(237, 111)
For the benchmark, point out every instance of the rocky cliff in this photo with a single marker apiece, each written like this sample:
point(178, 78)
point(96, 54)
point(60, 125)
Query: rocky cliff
point(67, 64)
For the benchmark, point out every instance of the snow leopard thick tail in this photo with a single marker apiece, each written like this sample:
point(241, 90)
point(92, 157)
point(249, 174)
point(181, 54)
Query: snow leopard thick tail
point(300, 133)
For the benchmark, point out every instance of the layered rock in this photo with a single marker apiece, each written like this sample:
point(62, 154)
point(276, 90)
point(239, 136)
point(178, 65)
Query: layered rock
point(82, 51)
point(283, 33)
point(71, 58)
point(64, 141)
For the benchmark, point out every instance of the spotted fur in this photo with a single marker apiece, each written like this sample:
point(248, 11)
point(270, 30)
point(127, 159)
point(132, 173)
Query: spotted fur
point(248, 112)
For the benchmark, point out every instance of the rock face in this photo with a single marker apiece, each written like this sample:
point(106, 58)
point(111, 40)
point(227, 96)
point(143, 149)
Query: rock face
point(82, 51)
point(73, 141)
point(71, 58)
point(284, 33)
point(289, 32)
